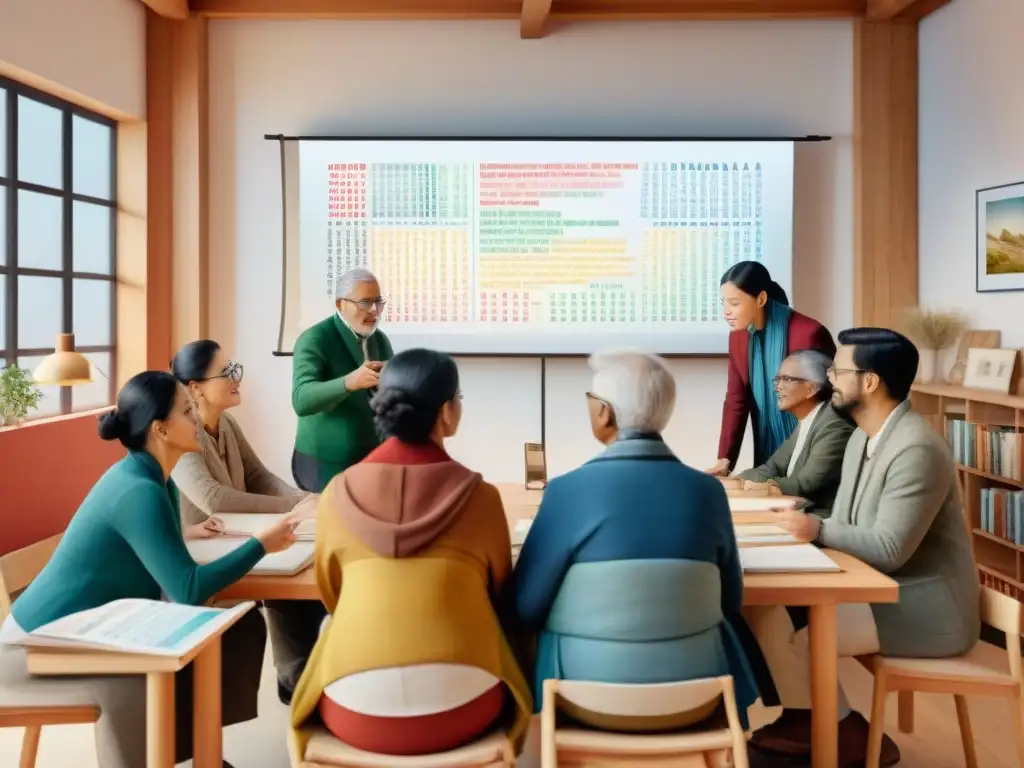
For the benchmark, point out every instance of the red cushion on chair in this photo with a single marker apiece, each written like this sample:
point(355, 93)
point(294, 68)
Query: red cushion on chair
point(420, 735)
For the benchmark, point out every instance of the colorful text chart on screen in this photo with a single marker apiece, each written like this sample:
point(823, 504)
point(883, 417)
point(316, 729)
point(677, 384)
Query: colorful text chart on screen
point(559, 247)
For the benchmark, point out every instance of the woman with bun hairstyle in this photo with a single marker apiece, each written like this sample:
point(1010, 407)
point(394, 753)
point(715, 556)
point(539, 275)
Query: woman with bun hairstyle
point(764, 331)
point(226, 476)
point(125, 541)
point(413, 547)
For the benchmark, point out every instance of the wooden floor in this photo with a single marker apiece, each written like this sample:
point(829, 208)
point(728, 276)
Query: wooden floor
point(261, 743)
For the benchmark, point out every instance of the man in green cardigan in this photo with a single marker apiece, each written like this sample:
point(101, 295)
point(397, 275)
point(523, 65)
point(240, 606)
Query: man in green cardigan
point(335, 370)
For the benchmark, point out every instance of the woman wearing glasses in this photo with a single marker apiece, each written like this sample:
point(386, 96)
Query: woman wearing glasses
point(335, 370)
point(227, 476)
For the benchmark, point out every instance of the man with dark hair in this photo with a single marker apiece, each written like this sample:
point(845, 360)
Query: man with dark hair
point(898, 509)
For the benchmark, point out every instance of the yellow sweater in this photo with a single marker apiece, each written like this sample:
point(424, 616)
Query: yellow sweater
point(411, 561)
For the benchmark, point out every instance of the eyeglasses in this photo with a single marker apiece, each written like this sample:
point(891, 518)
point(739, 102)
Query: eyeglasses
point(232, 371)
point(367, 304)
point(782, 379)
point(834, 372)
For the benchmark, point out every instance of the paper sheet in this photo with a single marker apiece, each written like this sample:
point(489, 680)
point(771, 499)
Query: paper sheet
point(798, 558)
point(760, 504)
point(519, 532)
point(762, 534)
point(287, 563)
point(247, 524)
point(149, 627)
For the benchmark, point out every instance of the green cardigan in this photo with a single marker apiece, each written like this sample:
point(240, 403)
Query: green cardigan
point(335, 425)
point(125, 542)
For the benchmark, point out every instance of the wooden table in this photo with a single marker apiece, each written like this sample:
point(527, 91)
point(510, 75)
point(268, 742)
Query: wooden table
point(820, 592)
point(207, 733)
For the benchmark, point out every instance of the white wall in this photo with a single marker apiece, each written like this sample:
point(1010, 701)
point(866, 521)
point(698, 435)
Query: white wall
point(96, 48)
point(971, 136)
point(327, 77)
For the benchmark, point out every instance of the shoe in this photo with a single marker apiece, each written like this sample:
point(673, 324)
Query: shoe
point(788, 736)
point(787, 741)
point(284, 695)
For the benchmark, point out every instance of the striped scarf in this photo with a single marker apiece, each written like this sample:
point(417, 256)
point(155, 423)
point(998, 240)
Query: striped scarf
point(767, 351)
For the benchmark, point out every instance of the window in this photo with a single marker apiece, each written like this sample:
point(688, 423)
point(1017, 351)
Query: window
point(57, 239)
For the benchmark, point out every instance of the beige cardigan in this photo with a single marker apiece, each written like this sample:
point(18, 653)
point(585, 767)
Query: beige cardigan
point(226, 476)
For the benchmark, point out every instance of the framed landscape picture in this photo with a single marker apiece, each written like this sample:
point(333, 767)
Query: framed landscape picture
point(1000, 235)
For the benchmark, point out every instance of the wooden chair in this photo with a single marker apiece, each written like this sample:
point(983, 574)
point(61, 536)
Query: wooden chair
point(17, 570)
point(962, 676)
point(326, 751)
point(578, 747)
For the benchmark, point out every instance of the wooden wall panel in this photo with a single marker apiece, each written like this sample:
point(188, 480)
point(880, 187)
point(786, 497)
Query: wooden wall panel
point(885, 171)
point(177, 232)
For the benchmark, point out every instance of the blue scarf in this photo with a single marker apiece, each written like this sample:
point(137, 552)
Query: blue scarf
point(767, 351)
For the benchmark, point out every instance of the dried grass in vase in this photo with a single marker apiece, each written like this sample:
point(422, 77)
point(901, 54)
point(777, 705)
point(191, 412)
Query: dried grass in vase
point(933, 330)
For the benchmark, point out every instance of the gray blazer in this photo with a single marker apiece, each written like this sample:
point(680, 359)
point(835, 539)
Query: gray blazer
point(816, 472)
point(905, 519)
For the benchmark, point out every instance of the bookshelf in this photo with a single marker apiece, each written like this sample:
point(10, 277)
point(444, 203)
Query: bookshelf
point(985, 431)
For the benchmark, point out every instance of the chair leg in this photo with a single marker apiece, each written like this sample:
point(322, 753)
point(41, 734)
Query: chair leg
point(30, 746)
point(905, 711)
point(963, 717)
point(1018, 725)
point(876, 728)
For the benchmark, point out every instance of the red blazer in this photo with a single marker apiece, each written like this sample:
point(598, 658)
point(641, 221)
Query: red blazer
point(804, 333)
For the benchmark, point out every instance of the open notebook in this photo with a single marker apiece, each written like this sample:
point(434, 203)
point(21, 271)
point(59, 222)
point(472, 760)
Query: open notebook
point(287, 563)
point(241, 524)
point(796, 558)
point(149, 627)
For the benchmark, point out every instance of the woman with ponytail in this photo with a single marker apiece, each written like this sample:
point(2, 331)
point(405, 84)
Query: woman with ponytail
point(764, 332)
point(125, 541)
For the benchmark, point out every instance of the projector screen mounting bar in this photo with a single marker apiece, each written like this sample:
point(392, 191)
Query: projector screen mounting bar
point(808, 138)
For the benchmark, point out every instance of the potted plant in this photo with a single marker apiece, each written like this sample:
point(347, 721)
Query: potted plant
point(932, 332)
point(18, 395)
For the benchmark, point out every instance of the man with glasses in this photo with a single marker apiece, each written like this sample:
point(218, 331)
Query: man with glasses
point(898, 509)
point(335, 370)
point(809, 462)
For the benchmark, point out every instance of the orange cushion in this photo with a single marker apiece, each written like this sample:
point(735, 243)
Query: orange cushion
point(419, 735)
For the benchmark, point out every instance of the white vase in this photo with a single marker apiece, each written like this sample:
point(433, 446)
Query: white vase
point(927, 365)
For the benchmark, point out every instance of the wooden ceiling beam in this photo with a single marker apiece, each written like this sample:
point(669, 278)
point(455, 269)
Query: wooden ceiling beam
point(169, 9)
point(902, 10)
point(533, 18)
point(562, 10)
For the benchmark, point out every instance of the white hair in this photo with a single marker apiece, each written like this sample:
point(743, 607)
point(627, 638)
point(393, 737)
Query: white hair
point(814, 367)
point(348, 280)
point(637, 385)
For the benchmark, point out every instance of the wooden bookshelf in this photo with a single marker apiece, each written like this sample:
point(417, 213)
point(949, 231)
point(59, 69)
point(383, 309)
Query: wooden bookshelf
point(986, 435)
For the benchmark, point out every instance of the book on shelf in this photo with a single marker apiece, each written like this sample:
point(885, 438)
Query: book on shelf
point(991, 448)
point(1002, 514)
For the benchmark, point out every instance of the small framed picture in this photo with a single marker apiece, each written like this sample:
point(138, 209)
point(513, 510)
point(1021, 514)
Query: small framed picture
point(999, 218)
point(536, 466)
point(990, 369)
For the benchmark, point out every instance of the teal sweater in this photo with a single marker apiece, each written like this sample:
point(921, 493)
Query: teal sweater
point(335, 425)
point(125, 541)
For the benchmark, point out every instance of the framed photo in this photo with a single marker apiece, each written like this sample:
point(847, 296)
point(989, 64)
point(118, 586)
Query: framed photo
point(1000, 235)
point(990, 369)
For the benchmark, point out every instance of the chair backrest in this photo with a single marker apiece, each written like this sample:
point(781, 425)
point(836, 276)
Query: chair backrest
point(1003, 612)
point(19, 568)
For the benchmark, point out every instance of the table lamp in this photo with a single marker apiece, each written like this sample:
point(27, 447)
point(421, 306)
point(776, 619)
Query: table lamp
point(65, 367)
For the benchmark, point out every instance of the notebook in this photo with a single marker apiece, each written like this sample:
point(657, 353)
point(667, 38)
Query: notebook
point(291, 561)
point(761, 504)
point(242, 524)
point(796, 558)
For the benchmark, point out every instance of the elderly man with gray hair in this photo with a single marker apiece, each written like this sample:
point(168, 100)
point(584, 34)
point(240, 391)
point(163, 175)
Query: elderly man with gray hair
point(809, 463)
point(630, 572)
point(335, 370)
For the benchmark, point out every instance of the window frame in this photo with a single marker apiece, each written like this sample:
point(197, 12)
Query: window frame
point(10, 352)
